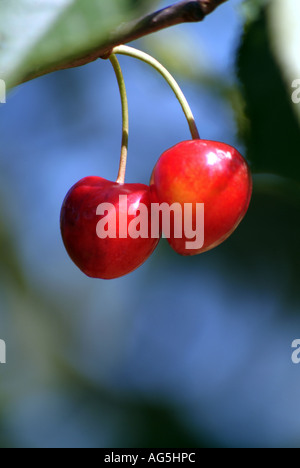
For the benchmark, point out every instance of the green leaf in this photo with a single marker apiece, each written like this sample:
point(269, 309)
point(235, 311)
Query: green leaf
point(39, 36)
point(284, 27)
point(272, 135)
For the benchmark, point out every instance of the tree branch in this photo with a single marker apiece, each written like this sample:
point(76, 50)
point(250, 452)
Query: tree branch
point(185, 11)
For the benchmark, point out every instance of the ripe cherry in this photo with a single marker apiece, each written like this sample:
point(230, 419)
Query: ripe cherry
point(208, 172)
point(113, 256)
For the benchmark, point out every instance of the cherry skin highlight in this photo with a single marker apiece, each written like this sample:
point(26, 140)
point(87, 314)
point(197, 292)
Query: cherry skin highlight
point(105, 258)
point(213, 173)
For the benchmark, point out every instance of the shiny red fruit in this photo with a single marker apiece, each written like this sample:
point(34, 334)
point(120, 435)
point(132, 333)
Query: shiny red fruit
point(118, 254)
point(208, 172)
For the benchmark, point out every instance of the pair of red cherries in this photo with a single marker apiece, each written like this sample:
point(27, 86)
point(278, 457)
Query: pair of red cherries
point(192, 172)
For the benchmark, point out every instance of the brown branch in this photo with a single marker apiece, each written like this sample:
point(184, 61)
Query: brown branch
point(185, 11)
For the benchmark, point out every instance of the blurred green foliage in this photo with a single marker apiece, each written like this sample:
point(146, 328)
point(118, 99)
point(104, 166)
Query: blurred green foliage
point(35, 37)
point(272, 135)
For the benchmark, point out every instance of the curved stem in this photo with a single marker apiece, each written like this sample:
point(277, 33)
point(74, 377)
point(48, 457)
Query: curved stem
point(131, 52)
point(125, 118)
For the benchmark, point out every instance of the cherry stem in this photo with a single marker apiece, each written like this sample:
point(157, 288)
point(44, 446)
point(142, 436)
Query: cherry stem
point(125, 118)
point(131, 52)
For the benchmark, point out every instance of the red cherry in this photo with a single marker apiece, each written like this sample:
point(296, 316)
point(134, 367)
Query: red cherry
point(109, 257)
point(206, 172)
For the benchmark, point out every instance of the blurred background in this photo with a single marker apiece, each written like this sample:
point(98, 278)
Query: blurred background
point(184, 352)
